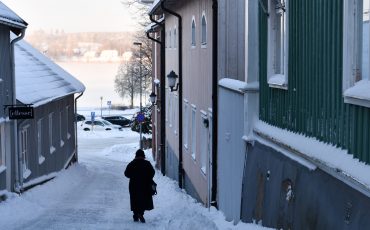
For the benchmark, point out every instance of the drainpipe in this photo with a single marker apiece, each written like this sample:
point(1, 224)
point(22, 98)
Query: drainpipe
point(181, 170)
point(75, 112)
point(18, 157)
point(162, 92)
point(214, 101)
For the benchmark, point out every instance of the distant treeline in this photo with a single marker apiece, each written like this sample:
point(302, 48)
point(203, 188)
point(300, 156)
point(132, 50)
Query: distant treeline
point(60, 45)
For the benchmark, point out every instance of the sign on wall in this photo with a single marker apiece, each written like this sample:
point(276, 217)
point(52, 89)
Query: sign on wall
point(21, 112)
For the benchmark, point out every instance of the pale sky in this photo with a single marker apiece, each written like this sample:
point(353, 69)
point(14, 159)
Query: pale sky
point(74, 15)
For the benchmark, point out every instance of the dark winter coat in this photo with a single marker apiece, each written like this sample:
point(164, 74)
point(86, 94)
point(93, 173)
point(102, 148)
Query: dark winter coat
point(141, 173)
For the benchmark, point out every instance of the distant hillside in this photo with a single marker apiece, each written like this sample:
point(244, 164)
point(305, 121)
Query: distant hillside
point(64, 46)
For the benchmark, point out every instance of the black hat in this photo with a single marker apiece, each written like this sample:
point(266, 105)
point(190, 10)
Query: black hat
point(140, 153)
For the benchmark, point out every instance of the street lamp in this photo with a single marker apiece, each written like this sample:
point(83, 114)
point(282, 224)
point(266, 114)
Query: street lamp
point(141, 109)
point(152, 98)
point(172, 78)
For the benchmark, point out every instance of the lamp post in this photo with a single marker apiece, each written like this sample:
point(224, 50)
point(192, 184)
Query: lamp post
point(141, 109)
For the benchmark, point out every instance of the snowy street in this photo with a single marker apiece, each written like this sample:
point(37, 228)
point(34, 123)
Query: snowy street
point(94, 195)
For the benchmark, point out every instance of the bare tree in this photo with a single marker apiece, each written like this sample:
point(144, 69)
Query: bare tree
point(126, 81)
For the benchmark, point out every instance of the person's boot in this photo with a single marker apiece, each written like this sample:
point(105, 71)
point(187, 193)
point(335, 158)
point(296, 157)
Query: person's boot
point(136, 218)
point(141, 218)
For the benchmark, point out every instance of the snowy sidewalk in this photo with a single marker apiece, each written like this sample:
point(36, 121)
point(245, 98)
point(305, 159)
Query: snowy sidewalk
point(94, 195)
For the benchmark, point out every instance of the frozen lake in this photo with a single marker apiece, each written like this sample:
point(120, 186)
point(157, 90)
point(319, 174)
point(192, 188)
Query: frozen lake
point(98, 79)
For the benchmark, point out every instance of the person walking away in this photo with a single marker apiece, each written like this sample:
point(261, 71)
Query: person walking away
point(141, 173)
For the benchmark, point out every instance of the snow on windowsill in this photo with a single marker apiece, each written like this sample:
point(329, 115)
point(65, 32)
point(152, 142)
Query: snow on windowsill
point(278, 81)
point(26, 173)
point(335, 158)
point(52, 149)
point(359, 94)
point(239, 86)
point(41, 160)
point(2, 168)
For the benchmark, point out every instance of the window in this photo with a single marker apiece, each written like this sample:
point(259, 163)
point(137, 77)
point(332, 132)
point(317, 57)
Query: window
point(204, 141)
point(51, 139)
point(174, 110)
point(278, 44)
point(170, 39)
point(61, 127)
point(40, 141)
point(23, 144)
point(67, 122)
point(170, 108)
point(186, 124)
point(193, 41)
point(204, 29)
point(356, 56)
point(193, 131)
point(2, 146)
point(174, 38)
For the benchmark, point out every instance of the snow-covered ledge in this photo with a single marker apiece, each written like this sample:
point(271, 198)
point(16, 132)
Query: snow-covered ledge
point(278, 81)
point(336, 162)
point(239, 86)
point(359, 94)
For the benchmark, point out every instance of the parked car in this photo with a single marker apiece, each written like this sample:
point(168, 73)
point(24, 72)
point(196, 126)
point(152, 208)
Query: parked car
point(118, 120)
point(80, 117)
point(99, 125)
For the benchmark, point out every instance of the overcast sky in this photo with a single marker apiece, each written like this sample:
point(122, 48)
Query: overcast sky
point(74, 15)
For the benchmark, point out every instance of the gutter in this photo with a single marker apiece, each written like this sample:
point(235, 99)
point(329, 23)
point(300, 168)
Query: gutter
point(214, 102)
point(75, 124)
point(181, 170)
point(162, 92)
point(18, 162)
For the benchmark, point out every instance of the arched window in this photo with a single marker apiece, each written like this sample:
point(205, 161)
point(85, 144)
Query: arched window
point(193, 42)
point(204, 29)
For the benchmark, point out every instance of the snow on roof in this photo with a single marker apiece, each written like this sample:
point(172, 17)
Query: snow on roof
point(8, 17)
point(154, 6)
point(38, 79)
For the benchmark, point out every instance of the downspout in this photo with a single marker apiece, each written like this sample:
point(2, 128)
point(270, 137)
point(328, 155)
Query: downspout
point(18, 157)
point(214, 101)
point(162, 91)
point(181, 170)
point(75, 112)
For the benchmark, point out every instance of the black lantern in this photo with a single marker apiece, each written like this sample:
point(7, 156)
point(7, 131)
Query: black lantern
point(172, 78)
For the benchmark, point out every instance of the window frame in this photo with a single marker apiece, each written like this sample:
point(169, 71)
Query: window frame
point(204, 141)
point(186, 124)
point(204, 36)
point(23, 149)
point(193, 132)
point(278, 77)
point(40, 125)
point(51, 136)
point(193, 29)
point(353, 81)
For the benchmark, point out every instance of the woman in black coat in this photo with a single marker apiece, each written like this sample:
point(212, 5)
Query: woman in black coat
point(141, 173)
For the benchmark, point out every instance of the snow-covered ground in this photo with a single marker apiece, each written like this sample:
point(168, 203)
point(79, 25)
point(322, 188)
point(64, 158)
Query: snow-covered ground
point(93, 194)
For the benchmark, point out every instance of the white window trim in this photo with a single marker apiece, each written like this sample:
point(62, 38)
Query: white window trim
point(26, 172)
point(174, 117)
point(204, 43)
point(193, 44)
point(277, 80)
point(193, 131)
point(204, 141)
point(39, 141)
point(61, 127)
point(51, 136)
point(352, 89)
point(67, 122)
point(186, 124)
point(2, 146)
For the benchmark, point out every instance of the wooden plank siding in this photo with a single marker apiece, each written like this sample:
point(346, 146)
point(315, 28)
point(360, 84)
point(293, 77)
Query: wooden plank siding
point(313, 104)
